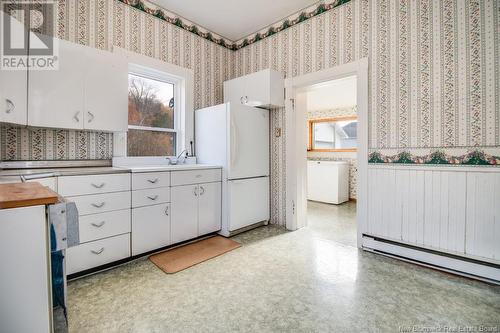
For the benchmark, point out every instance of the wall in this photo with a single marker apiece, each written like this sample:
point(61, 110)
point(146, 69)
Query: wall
point(433, 75)
point(88, 23)
point(337, 156)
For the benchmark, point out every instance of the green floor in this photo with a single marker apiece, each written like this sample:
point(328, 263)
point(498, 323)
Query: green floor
point(311, 280)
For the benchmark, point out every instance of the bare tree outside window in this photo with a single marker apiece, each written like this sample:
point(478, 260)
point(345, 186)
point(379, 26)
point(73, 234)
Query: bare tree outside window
point(151, 120)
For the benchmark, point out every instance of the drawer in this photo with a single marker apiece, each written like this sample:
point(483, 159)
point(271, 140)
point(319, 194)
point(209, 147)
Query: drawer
point(100, 203)
point(150, 197)
point(150, 180)
point(94, 184)
point(195, 176)
point(97, 253)
point(99, 226)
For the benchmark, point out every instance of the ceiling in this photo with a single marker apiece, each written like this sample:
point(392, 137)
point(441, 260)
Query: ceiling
point(333, 94)
point(234, 19)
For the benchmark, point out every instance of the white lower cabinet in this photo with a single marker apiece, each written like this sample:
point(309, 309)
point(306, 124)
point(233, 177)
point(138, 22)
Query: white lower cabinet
point(209, 208)
point(93, 254)
point(99, 226)
point(150, 228)
point(184, 213)
point(196, 210)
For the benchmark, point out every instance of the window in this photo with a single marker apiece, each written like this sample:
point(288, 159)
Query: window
point(333, 134)
point(152, 116)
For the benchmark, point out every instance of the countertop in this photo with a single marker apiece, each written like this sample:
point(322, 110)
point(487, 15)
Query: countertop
point(180, 167)
point(82, 171)
point(25, 194)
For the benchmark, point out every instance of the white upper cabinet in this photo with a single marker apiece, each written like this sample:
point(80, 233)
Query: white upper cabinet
point(261, 89)
point(13, 89)
point(56, 97)
point(13, 96)
point(88, 91)
point(106, 91)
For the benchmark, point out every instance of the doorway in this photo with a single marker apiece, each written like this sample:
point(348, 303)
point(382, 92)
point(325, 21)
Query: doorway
point(300, 136)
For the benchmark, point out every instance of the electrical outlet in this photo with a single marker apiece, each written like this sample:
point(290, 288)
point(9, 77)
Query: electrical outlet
point(278, 132)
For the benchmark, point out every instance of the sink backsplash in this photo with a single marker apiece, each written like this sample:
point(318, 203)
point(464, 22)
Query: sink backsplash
point(40, 144)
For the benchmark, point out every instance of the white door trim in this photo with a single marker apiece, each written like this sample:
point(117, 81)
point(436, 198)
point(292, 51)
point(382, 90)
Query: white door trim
point(360, 70)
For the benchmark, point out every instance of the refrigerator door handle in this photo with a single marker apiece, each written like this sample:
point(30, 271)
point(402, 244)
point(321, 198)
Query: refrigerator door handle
point(233, 143)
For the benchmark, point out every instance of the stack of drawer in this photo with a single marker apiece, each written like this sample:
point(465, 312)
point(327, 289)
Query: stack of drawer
point(103, 203)
point(150, 211)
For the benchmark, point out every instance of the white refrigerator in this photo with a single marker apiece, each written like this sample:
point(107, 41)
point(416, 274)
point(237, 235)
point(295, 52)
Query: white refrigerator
point(236, 137)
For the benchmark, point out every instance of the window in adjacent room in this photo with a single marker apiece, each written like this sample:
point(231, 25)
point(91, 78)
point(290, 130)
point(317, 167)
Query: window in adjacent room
point(152, 116)
point(333, 134)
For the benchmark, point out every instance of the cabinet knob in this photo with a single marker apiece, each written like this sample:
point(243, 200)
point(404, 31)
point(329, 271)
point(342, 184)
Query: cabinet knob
point(91, 116)
point(241, 100)
point(166, 211)
point(76, 116)
point(101, 250)
point(98, 225)
point(99, 205)
point(9, 106)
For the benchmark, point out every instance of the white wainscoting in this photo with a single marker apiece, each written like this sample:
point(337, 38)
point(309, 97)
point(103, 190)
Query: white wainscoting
point(450, 209)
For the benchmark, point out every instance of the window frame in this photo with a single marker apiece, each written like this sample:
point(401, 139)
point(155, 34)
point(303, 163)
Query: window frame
point(311, 122)
point(152, 74)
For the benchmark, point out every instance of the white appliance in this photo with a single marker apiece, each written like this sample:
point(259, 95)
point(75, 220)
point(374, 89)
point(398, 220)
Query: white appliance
point(328, 181)
point(236, 137)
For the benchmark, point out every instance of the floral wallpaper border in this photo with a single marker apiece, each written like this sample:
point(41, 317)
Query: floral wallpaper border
point(286, 23)
point(437, 157)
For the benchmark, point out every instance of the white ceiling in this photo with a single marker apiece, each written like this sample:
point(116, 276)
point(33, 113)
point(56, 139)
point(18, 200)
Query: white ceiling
point(234, 19)
point(333, 94)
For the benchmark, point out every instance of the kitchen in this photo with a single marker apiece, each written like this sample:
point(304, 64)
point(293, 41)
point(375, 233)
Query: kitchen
point(175, 135)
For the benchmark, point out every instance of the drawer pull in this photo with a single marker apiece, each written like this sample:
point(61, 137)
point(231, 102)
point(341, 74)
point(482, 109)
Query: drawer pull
point(195, 191)
point(98, 225)
point(101, 185)
point(153, 181)
point(202, 190)
point(99, 205)
point(198, 176)
point(166, 211)
point(97, 252)
point(153, 197)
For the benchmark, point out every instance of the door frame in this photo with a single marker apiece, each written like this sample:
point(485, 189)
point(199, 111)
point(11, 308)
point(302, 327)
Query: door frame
point(296, 169)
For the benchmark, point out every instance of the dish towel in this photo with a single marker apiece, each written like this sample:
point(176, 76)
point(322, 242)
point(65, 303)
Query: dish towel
point(63, 218)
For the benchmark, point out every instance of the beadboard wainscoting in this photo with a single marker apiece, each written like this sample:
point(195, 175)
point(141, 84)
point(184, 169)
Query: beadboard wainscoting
point(448, 209)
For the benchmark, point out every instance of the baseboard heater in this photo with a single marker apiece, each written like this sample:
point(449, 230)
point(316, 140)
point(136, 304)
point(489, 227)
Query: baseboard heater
point(475, 269)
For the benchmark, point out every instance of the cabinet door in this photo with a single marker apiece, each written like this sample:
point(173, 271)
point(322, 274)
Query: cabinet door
point(150, 228)
point(209, 208)
point(56, 97)
point(24, 274)
point(257, 89)
point(106, 91)
point(13, 91)
point(234, 90)
point(184, 212)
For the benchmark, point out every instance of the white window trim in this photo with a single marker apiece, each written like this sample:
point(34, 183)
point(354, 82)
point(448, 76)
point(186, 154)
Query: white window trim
point(149, 73)
point(183, 79)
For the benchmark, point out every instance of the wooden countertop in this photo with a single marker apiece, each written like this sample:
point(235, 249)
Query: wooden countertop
point(25, 194)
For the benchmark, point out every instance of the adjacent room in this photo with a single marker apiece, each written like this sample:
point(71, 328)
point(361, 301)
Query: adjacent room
point(331, 158)
point(249, 166)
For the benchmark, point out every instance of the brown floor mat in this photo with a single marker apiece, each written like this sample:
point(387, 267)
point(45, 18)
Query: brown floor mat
point(173, 261)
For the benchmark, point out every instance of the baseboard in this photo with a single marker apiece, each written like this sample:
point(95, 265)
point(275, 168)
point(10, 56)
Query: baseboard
point(452, 264)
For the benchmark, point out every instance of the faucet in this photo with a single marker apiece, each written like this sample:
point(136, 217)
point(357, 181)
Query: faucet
point(176, 160)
